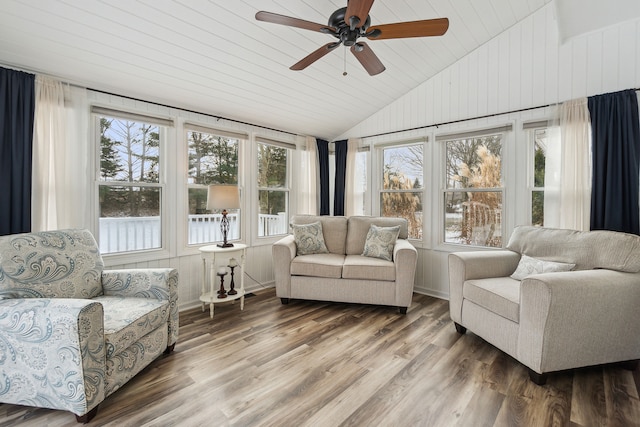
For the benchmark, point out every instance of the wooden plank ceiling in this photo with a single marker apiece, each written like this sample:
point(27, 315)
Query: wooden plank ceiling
point(212, 56)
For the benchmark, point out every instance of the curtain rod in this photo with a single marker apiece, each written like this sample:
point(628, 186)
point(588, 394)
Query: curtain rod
point(195, 112)
point(458, 121)
point(17, 68)
point(465, 120)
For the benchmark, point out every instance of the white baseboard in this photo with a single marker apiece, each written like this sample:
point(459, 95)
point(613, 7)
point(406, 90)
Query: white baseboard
point(431, 293)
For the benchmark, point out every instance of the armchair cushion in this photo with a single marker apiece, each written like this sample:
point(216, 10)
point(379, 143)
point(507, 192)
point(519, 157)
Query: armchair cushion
point(126, 320)
point(56, 264)
point(500, 295)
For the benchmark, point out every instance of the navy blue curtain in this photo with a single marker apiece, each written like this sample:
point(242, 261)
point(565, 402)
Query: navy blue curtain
point(616, 160)
point(17, 106)
point(323, 161)
point(341, 175)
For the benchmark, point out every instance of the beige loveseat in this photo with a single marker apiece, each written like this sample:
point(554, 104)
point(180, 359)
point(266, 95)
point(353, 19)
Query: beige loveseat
point(553, 321)
point(344, 274)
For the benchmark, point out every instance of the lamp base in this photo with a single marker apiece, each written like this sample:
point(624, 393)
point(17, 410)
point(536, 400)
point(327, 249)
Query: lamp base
point(225, 245)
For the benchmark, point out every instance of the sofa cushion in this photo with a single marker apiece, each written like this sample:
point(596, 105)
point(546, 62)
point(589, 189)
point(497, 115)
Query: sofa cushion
point(359, 228)
point(380, 242)
point(309, 238)
point(528, 266)
point(334, 230)
point(318, 265)
point(367, 268)
point(127, 319)
point(587, 249)
point(500, 295)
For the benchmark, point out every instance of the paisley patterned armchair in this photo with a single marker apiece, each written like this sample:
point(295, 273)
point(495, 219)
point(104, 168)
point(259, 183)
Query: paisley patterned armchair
point(72, 333)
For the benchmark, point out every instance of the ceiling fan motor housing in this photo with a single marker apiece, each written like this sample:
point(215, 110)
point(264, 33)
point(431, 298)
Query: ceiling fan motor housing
point(344, 32)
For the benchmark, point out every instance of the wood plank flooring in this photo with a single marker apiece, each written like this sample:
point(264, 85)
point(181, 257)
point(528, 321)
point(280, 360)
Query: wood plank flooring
point(329, 364)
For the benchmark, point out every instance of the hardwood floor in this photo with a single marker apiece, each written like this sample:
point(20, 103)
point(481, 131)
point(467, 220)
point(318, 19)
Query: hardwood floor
point(329, 364)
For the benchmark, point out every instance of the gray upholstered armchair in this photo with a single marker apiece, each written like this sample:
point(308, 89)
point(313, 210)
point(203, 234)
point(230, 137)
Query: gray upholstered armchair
point(72, 333)
point(554, 299)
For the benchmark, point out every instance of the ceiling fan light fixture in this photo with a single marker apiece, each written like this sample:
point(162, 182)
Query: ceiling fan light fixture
point(348, 37)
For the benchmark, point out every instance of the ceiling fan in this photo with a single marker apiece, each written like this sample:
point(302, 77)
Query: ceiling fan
point(347, 24)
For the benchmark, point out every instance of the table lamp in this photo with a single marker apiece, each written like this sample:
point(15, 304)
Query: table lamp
point(223, 197)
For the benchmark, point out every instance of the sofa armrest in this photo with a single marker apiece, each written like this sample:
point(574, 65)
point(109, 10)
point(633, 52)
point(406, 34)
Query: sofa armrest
point(283, 252)
point(156, 283)
point(52, 353)
point(465, 266)
point(405, 258)
point(578, 318)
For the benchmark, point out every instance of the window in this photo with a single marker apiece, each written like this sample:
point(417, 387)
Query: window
point(360, 202)
point(273, 188)
point(130, 185)
point(402, 185)
point(473, 195)
point(536, 180)
point(213, 159)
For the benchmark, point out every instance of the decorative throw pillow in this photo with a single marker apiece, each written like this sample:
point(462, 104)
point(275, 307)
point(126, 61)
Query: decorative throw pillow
point(528, 266)
point(309, 238)
point(380, 242)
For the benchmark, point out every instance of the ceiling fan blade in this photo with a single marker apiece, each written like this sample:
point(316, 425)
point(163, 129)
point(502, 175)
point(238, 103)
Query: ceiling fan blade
point(367, 58)
point(358, 8)
point(314, 56)
point(425, 28)
point(275, 18)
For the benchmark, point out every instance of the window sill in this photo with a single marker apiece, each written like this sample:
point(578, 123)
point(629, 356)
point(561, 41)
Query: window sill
point(134, 257)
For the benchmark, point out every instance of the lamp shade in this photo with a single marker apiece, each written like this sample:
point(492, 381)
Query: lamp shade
point(221, 197)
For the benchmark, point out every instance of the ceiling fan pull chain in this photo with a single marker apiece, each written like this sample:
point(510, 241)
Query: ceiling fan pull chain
point(344, 73)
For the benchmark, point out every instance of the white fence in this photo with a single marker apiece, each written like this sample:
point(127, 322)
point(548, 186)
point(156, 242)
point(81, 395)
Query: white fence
point(139, 233)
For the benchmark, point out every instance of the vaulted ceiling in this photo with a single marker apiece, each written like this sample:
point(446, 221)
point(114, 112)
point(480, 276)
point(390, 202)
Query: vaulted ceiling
point(213, 57)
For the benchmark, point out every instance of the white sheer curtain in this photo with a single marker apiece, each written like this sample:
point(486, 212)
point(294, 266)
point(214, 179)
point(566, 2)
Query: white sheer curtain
point(352, 198)
point(307, 197)
point(61, 188)
point(567, 201)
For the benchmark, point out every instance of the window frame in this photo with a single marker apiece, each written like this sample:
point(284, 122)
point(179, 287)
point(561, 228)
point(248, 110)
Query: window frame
point(531, 158)
point(505, 131)
point(242, 139)
point(379, 183)
point(256, 239)
point(165, 127)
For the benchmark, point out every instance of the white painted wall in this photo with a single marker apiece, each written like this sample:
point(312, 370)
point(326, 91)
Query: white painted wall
point(524, 67)
point(521, 68)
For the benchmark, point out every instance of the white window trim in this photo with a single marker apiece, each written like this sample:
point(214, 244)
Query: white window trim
point(376, 176)
point(129, 257)
point(186, 248)
point(529, 130)
point(255, 189)
point(508, 173)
